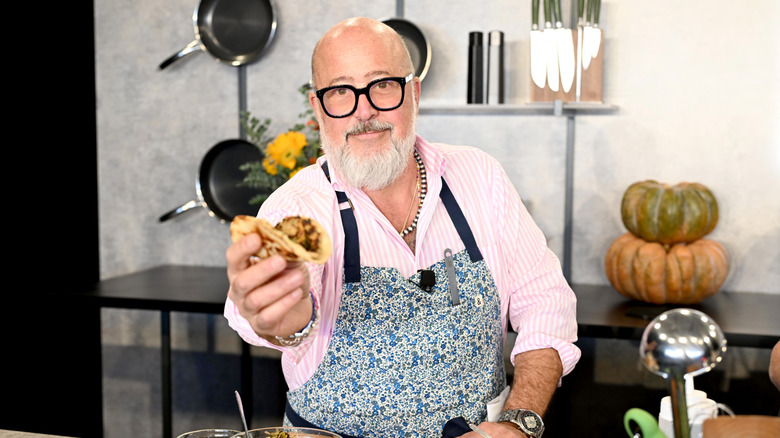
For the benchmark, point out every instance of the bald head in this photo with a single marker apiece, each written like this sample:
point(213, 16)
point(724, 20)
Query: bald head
point(357, 37)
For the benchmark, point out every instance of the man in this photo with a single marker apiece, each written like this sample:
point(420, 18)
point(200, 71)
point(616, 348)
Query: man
point(402, 329)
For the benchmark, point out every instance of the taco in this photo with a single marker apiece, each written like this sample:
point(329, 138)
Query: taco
point(296, 238)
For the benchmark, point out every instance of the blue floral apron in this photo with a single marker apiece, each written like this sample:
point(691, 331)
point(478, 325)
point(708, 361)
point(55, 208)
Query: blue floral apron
point(403, 361)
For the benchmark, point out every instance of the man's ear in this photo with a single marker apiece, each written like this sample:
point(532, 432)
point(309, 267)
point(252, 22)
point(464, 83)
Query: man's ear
point(315, 105)
point(416, 88)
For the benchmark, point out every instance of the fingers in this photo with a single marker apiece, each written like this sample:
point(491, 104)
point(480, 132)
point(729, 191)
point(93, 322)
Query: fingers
point(282, 317)
point(270, 293)
point(238, 254)
point(270, 282)
point(479, 431)
point(497, 430)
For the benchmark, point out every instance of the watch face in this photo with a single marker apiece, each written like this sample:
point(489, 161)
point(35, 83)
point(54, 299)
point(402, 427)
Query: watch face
point(527, 421)
point(531, 421)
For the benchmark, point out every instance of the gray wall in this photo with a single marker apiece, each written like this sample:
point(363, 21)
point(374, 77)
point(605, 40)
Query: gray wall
point(695, 84)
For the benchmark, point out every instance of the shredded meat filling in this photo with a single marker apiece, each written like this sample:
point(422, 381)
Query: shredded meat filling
point(301, 231)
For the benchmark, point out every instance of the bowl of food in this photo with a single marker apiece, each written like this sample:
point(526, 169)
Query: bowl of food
point(209, 433)
point(288, 432)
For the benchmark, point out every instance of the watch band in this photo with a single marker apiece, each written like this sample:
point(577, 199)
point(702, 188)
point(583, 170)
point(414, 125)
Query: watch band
point(529, 422)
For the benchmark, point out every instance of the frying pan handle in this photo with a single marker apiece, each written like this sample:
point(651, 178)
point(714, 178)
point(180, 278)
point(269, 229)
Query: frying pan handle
point(179, 210)
point(191, 47)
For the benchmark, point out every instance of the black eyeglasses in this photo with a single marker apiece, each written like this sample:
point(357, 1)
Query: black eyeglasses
point(384, 94)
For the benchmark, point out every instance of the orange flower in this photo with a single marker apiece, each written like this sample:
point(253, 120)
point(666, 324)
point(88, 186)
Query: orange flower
point(270, 166)
point(286, 149)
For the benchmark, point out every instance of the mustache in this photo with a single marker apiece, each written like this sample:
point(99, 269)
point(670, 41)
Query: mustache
point(370, 126)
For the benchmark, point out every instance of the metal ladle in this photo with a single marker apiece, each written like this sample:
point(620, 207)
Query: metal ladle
point(680, 344)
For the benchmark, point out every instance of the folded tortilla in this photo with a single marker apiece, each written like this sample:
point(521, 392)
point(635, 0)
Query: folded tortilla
point(296, 238)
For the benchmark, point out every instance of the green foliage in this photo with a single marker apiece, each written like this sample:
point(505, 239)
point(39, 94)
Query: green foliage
point(269, 174)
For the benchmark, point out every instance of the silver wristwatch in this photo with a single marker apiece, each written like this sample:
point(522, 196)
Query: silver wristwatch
point(529, 422)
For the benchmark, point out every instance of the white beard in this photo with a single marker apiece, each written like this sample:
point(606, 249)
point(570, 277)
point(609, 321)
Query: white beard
point(376, 170)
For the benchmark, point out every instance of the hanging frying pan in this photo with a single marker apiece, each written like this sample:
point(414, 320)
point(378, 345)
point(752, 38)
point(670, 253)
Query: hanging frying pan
point(416, 43)
point(217, 187)
point(233, 31)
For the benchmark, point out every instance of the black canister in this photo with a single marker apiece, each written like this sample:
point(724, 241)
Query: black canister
point(475, 78)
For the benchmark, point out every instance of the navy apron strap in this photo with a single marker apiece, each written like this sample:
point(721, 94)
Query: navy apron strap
point(352, 243)
point(455, 427)
point(457, 217)
point(298, 421)
point(351, 239)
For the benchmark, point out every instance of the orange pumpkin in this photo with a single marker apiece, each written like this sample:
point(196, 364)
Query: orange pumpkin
point(658, 274)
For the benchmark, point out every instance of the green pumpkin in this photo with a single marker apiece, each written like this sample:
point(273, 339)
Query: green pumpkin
point(657, 212)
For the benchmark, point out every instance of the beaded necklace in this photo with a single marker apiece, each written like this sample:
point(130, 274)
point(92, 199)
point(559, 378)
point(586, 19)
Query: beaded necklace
point(422, 189)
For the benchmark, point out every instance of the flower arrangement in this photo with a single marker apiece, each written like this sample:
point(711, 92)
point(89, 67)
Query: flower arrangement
point(284, 155)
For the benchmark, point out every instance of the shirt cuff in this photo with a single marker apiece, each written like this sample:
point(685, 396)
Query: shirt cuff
point(568, 352)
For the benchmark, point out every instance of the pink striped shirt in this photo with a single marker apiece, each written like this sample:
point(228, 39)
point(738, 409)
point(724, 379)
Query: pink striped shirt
point(534, 293)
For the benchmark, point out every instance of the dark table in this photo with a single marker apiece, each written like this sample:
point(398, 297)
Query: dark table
point(168, 289)
point(747, 319)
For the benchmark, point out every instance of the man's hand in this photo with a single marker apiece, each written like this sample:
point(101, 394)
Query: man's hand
point(535, 379)
point(272, 294)
point(496, 430)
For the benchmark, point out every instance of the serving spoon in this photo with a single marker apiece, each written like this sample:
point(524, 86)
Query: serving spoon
point(243, 417)
point(679, 344)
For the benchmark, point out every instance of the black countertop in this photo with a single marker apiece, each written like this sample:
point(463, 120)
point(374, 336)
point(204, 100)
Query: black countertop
point(747, 319)
point(170, 288)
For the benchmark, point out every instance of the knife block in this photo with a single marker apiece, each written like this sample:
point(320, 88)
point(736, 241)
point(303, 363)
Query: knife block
point(591, 80)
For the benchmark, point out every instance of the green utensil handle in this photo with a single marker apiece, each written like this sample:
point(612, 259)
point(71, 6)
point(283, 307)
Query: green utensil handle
point(535, 12)
point(557, 10)
point(590, 11)
point(648, 426)
point(547, 7)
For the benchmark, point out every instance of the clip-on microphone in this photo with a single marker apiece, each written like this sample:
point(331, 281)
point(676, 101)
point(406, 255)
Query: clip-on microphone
point(427, 279)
